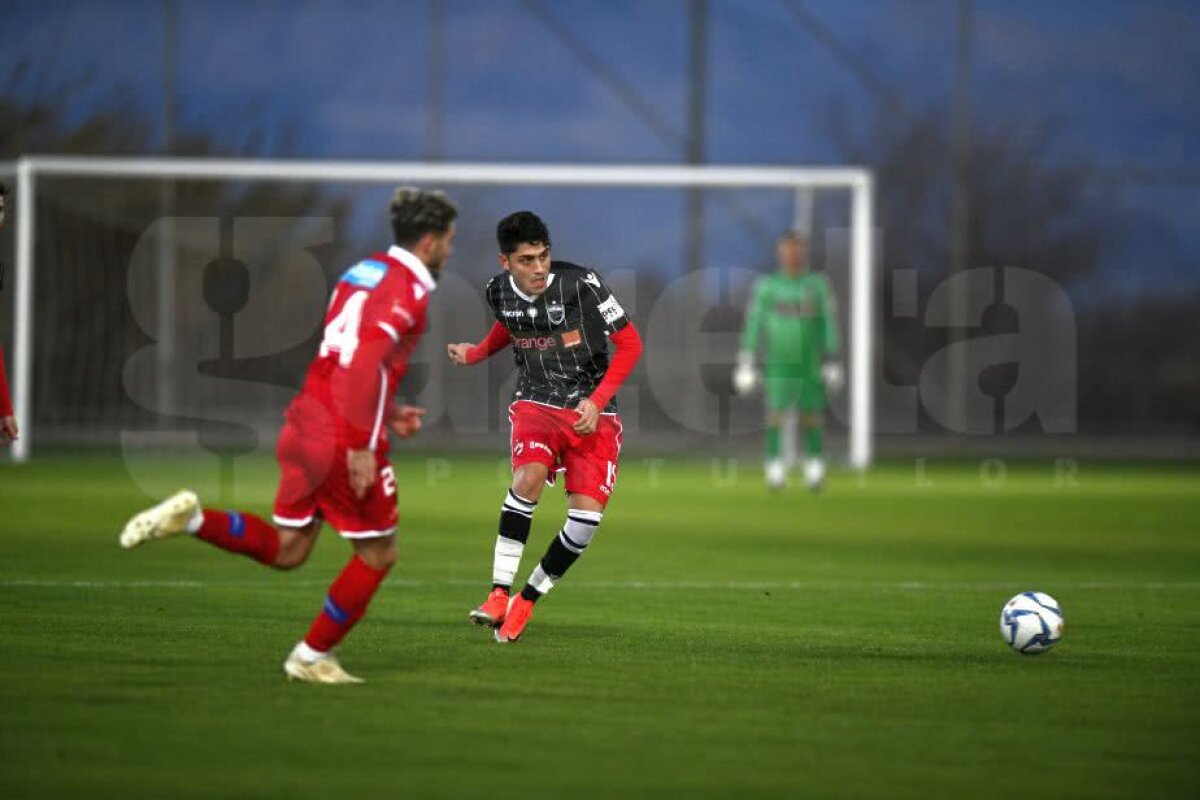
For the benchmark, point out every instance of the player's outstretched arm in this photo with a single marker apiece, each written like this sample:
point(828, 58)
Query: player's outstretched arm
point(464, 353)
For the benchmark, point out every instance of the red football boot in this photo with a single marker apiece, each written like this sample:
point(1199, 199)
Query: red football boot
point(491, 613)
point(519, 612)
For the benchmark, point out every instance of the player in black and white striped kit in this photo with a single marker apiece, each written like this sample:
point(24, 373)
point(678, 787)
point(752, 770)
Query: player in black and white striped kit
point(560, 319)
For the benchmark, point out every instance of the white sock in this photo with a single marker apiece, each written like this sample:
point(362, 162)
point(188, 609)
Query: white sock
point(506, 559)
point(307, 654)
point(580, 527)
point(540, 580)
point(776, 472)
point(196, 521)
point(516, 516)
point(791, 423)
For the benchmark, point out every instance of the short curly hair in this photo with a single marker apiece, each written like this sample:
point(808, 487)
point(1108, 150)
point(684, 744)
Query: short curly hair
point(416, 212)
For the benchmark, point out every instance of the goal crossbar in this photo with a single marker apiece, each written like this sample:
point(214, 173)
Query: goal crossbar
point(857, 181)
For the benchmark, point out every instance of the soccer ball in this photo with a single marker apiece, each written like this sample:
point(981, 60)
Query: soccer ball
point(1031, 623)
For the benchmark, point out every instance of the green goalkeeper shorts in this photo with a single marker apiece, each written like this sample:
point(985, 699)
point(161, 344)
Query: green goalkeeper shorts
point(804, 391)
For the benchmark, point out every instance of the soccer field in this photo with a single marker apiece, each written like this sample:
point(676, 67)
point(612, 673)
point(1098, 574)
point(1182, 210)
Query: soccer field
point(715, 641)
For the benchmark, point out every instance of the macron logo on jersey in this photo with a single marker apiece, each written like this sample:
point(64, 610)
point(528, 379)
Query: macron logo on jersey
point(366, 274)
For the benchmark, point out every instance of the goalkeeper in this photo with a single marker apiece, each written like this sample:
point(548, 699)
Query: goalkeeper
point(794, 310)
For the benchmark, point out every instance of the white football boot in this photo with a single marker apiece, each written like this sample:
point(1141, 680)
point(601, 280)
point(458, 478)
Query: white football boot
point(168, 518)
point(324, 669)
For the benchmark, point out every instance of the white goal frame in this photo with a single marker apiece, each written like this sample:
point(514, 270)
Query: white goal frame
point(801, 180)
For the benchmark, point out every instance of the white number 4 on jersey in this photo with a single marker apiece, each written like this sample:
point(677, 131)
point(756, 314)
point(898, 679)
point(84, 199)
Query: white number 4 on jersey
point(341, 334)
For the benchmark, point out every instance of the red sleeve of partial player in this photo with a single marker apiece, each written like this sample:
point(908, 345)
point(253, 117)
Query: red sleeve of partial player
point(6, 409)
point(629, 349)
point(496, 340)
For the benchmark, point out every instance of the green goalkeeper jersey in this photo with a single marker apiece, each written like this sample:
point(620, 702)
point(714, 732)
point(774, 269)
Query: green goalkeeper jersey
point(798, 318)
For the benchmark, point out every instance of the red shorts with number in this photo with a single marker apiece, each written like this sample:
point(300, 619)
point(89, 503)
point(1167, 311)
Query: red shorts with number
point(314, 482)
point(543, 435)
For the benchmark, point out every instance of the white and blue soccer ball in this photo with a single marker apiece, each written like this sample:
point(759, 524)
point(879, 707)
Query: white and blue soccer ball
point(1031, 623)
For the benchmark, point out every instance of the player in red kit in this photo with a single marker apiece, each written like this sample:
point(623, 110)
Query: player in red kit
point(332, 450)
point(560, 319)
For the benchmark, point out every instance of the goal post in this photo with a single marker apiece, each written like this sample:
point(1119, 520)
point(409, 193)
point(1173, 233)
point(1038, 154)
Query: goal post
point(800, 180)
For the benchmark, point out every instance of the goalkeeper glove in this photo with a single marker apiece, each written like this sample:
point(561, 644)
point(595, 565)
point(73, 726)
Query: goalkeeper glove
point(745, 377)
point(834, 377)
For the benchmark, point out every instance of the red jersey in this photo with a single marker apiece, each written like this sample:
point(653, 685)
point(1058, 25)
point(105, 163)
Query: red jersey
point(375, 319)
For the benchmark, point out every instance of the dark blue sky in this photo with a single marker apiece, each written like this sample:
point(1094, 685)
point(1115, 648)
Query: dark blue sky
point(1119, 78)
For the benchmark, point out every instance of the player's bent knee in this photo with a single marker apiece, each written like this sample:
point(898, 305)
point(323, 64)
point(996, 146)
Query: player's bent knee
point(379, 554)
point(292, 554)
point(529, 480)
point(584, 502)
point(295, 544)
point(381, 561)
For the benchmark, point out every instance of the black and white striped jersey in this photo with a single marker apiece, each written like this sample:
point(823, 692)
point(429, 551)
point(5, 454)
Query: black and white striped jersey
point(560, 338)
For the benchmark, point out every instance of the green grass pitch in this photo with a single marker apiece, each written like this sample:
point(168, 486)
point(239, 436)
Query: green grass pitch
point(715, 641)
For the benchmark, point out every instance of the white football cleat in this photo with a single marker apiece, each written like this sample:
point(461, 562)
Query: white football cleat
point(326, 669)
point(168, 518)
point(776, 474)
point(814, 473)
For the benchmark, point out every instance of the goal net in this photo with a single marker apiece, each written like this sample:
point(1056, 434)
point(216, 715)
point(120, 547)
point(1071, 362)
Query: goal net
point(175, 303)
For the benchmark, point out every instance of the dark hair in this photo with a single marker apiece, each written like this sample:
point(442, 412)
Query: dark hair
point(792, 235)
point(3, 190)
point(416, 212)
point(521, 227)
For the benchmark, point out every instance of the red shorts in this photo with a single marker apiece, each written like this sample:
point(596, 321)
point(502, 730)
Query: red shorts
point(315, 482)
point(543, 435)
